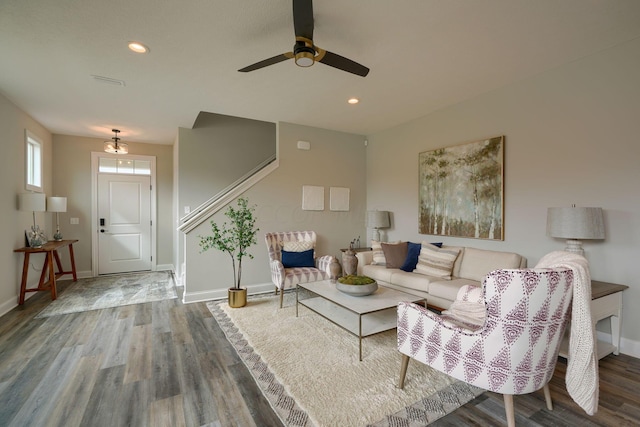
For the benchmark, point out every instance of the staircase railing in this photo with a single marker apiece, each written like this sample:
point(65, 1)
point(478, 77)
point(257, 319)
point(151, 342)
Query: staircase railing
point(200, 214)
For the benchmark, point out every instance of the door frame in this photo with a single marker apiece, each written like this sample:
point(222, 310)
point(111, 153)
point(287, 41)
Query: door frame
point(95, 157)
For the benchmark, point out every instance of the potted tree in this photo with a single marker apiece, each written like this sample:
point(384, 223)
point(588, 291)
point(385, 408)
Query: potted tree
point(235, 239)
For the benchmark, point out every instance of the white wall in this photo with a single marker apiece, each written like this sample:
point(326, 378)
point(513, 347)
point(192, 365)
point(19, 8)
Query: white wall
point(572, 136)
point(13, 122)
point(72, 179)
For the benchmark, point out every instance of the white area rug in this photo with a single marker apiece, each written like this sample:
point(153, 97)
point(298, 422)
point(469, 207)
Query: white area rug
point(309, 370)
point(112, 291)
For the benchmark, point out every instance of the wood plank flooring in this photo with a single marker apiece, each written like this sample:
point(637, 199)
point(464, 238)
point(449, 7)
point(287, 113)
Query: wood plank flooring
point(168, 364)
point(161, 363)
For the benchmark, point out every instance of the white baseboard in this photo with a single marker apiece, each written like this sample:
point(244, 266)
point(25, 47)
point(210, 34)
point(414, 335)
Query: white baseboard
point(217, 294)
point(179, 278)
point(7, 306)
point(627, 346)
point(87, 274)
point(164, 267)
point(79, 274)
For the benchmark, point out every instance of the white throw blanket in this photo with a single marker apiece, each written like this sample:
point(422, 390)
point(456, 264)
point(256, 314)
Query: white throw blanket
point(469, 306)
point(582, 364)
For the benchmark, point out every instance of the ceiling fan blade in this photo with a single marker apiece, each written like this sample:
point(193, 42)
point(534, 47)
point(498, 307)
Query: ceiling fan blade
point(342, 63)
point(303, 18)
point(267, 62)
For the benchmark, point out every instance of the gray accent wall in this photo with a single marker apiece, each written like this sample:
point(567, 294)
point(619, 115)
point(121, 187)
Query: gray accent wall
point(216, 152)
point(336, 159)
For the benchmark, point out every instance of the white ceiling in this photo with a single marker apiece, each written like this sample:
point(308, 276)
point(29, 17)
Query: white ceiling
point(423, 55)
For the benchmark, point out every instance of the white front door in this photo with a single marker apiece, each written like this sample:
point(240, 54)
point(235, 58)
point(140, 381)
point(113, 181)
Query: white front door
point(124, 228)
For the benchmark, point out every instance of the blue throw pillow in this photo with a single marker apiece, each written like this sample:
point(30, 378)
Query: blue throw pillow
point(413, 252)
point(297, 259)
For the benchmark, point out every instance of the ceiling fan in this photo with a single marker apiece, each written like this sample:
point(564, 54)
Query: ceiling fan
point(305, 53)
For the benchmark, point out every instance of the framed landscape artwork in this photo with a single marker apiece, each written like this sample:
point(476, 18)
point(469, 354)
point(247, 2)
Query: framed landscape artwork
point(461, 190)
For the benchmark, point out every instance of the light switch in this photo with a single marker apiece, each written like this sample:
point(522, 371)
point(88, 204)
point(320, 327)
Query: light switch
point(187, 209)
point(74, 221)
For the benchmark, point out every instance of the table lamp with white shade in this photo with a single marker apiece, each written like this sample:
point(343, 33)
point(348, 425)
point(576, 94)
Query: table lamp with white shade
point(57, 205)
point(34, 202)
point(377, 220)
point(575, 224)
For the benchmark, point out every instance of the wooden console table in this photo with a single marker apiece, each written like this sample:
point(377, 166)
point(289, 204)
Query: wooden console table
point(606, 303)
point(50, 249)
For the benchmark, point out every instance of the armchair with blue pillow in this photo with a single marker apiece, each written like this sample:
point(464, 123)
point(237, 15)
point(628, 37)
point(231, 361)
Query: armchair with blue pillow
point(292, 259)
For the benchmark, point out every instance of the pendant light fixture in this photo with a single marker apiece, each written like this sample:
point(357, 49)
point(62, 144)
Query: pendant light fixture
point(116, 147)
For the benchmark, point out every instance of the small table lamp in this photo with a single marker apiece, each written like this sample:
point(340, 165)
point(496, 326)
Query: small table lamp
point(57, 204)
point(377, 220)
point(575, 224)
point(34, 202)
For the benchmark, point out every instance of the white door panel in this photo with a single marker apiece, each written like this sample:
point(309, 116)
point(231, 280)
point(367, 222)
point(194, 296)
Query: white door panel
point(124, 234)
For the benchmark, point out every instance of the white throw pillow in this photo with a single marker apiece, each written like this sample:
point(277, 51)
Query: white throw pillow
point(436, 262)
point(297, 246)
point(378, 254)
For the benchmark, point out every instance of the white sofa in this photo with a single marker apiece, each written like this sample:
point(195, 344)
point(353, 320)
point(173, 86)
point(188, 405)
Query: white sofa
point(469, 268)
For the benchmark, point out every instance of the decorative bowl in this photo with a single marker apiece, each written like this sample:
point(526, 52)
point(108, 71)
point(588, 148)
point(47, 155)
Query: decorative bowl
point(357, 289)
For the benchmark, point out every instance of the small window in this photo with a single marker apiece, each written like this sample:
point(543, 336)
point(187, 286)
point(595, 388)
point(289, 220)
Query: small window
point(142, 167)
point(33, 165)
point(124, 166)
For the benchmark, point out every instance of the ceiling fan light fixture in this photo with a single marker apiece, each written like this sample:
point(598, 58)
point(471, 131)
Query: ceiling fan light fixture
point(304, 59)
point(115, 147)
point(305, 53)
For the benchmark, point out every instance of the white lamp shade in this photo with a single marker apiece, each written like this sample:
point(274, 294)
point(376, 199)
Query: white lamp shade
point(378, 219)
point(34, 202)
point(575, 223)
point(56, 204)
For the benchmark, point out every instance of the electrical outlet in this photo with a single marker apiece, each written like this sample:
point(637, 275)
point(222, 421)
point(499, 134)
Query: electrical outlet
point(74, 221)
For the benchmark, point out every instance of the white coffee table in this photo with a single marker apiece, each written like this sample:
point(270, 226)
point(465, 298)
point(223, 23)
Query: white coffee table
point(361, 316)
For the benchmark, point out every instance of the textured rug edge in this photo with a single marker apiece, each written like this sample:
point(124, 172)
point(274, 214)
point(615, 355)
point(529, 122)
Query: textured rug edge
point(421, 413)
point(283, 404)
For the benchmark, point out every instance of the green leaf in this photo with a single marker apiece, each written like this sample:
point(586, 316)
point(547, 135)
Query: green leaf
point(234, 237)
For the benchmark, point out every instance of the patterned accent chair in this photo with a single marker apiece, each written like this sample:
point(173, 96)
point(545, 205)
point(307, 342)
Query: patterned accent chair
point(515, 349)
point(284, 278)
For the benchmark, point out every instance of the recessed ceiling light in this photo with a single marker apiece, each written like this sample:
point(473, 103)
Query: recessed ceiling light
point(353, 100)
point(138, 47)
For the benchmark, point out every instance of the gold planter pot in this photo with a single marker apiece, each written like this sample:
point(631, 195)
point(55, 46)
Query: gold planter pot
point(237, 297)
